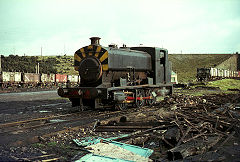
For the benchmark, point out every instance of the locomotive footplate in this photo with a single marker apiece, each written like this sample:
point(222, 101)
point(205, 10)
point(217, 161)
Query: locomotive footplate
point(93, 92)
point(83, 92)
point(141, 87)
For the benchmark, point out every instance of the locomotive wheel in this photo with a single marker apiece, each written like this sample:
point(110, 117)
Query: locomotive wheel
point(150, 102)
point(140, 103)
point(120, 106)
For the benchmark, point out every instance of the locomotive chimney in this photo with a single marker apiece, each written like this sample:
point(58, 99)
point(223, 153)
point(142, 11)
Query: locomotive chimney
point(95, 40)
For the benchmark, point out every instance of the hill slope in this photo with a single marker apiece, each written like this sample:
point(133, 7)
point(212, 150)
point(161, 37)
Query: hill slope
point(185, 65)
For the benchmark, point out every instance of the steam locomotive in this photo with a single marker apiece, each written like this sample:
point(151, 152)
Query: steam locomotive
point(119, 77)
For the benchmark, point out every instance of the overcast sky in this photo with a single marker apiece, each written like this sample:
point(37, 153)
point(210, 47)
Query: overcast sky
point(63, 26)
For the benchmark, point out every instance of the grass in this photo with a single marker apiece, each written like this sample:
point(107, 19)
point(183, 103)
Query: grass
point(64, 64)
point(194, 92)
point(65, 150)
point(38, 145)
point(61, 149)
point(225, 84)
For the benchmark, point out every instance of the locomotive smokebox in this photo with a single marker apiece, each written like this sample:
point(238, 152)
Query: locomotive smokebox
point(95, 40)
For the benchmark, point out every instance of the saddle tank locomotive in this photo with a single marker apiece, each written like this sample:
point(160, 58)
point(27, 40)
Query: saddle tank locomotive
point(119, 77)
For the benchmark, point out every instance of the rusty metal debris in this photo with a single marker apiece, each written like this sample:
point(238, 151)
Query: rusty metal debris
point(43, 158)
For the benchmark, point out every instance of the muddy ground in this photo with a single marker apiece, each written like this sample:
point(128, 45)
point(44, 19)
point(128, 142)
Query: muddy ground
point(27, 105)
point(14, 107)
point(60, 145)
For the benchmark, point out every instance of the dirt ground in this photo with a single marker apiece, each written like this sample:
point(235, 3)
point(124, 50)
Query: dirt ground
point(27, 105)
point(11, 103)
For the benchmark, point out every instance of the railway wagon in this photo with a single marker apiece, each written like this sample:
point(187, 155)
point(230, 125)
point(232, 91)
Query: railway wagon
point(10, 79)
point(226, 74)
point(60, 79)
point(215, 73)
point(31, 79)
point(118, 77)
point(47, 79)
point(235, 74)
point(220, 73)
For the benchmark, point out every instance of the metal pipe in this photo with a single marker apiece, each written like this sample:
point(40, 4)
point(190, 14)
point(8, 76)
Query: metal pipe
point(38, 68)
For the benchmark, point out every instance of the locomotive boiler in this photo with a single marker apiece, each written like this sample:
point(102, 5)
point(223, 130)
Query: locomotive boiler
point(119, 77)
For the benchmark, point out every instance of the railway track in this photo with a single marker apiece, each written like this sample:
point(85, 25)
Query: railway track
point(34, 89)
point(17, 127)
point(27, 132)
point(42, 158)
point(30, 124)
point(27, 124)
point(108, 116)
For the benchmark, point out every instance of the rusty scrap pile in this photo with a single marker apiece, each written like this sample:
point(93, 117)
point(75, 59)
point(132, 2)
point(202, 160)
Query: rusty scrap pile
point(196, 128)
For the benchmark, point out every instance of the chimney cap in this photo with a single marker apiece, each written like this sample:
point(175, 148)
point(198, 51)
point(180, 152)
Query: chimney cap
point(95, 40)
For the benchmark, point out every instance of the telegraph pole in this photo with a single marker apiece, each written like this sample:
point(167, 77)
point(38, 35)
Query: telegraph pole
point(38, 68)
point(64, 50)
point(41, 51)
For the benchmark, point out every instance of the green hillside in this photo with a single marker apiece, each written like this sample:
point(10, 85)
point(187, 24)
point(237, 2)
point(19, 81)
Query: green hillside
point(185, 65)
point(65, 65)
point(225, 84)
point(62, 64)
point(47, 64)
point(29, 63)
